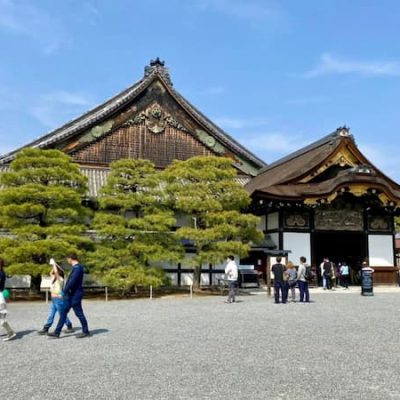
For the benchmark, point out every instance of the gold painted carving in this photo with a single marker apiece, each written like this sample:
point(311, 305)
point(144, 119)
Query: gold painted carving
point(342, 158)
point(155, 120)
point(296, 220)
point(338, 219)
point(379, 224)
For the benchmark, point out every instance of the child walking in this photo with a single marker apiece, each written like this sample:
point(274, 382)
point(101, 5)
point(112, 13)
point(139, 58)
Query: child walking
point(5, 294)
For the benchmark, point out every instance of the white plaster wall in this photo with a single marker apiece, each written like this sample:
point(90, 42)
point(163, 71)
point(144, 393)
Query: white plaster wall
point(299, 244)
point(275, 238)
point(187, 279)
point(380, 249)
point(273, 221)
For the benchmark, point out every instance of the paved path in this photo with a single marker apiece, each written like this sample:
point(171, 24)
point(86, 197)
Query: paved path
point(340, 347)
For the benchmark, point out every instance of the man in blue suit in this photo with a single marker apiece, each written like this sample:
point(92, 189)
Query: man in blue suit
point(73, 293)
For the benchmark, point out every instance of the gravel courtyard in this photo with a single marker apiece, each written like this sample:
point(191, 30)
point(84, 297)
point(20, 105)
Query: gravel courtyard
point(342, 346)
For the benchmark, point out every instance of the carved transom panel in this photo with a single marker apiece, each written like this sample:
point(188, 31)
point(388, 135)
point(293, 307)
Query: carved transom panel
point(339, 219)
point(379, 223)
point(155, 119)
point(296, 220)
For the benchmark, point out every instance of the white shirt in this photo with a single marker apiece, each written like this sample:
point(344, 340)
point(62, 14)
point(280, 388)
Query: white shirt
point(231, 271)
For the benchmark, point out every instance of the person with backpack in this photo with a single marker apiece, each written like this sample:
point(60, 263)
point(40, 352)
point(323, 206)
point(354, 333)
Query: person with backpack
point(303, 277)
point(280, 283)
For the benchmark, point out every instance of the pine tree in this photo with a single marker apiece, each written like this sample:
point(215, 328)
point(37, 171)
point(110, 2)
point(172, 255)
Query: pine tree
point(41, 210)
point(206, 190)
point(134, 228)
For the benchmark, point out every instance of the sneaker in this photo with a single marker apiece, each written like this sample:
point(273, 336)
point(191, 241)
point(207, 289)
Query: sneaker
point(69, 329)
point(227, 302)
point(43, 331)
point(10, 337)
point(82, 335)
point(53, 335)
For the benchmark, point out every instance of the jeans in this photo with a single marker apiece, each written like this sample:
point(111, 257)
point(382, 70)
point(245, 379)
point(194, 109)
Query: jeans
point(283, 288)
point(328, 282)
point(304, 293)
point(57, 305)
point(76, 304)
point(232, 291)
point(345, 281)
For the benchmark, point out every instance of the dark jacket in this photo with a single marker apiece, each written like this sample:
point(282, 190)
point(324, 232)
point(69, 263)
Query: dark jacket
point(2, 280)
point(74, 286)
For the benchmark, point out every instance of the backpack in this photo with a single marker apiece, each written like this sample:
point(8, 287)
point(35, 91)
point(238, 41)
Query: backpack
point(308, 275)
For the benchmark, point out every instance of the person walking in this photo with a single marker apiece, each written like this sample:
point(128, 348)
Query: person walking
point(344, 275)
point(57, 298)
point(231, 275)
point(4, 295)
point(302, 281)
point(280, 285)
point(292, 280)
point(73, 294)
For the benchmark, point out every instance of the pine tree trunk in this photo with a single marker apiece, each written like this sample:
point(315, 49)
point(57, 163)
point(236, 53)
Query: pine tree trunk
point(196, 277)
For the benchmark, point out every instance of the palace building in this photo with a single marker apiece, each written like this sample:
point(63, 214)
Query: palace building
point(326, 199)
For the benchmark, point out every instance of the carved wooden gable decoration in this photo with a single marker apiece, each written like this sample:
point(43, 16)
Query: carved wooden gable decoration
point(149, 120)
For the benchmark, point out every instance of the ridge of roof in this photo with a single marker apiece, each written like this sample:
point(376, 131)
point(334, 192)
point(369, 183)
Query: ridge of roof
point(219, 132)
point(93, 115)
point(156, 69)
point(331, 137)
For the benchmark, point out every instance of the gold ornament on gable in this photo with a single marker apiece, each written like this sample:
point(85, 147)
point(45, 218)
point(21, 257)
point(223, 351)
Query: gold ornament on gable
point(155, 120)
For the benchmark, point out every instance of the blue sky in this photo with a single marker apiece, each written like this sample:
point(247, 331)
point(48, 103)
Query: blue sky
point(276, 75)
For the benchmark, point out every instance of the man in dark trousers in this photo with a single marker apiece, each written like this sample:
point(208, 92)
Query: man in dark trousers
point(327, 272)
point(279, 283)
point(73, 292)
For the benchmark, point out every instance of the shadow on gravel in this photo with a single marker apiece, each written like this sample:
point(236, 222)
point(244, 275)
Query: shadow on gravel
point(21, 334)
point(98, 331)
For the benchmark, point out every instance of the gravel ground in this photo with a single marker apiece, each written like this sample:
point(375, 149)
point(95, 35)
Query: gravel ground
point(341, 346)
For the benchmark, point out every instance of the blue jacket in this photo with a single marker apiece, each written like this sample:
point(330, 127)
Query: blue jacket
point(74, 286)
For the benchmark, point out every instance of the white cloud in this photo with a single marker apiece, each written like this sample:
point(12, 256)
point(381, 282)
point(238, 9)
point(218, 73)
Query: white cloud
point(58, 107)
point(214, 90)
point(92, 13)
point(329, 64)
point(31, 22)
point(273, 143)
point(239, 123)
point(244, 9)
point(385, 158)
point(303, 101)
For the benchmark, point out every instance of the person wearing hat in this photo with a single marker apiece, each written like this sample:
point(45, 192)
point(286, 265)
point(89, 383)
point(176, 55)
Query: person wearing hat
point(57, 298)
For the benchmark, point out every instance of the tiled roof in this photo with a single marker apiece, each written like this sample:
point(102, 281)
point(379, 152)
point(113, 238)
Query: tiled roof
point(155, 70)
